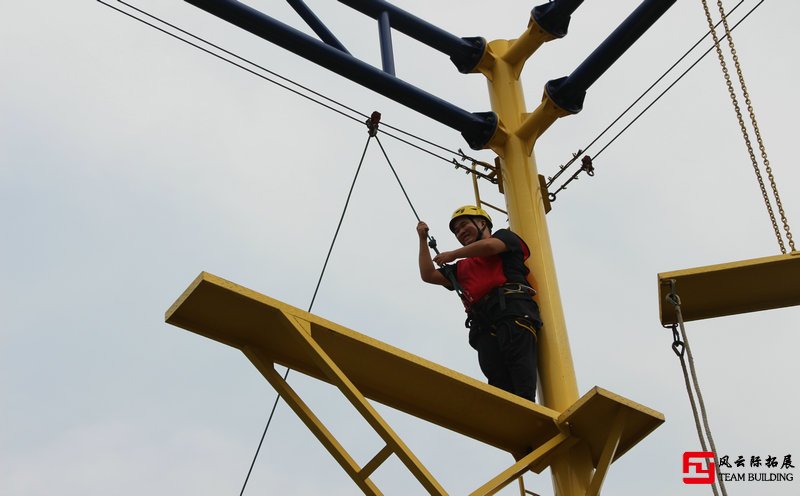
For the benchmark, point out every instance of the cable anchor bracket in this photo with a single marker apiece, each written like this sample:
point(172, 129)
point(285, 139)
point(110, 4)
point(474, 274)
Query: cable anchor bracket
point(490, 173)
point(586, 166)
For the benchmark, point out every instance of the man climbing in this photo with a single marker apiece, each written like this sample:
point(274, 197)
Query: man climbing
point(491, 278)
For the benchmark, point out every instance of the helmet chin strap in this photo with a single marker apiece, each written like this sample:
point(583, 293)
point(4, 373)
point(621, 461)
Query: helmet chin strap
point(479, 229)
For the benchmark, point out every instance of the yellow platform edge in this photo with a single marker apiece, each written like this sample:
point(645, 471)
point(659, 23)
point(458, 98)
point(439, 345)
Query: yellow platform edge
point(731, 288)
point(590, 417)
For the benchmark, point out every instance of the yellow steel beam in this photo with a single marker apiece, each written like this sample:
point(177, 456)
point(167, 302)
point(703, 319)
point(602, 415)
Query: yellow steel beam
point(522, 48)
point(607, 454)
point(516, 470)
point(537, 122)
point(731, 288)
point(339, 379)
point(359, 476)
point(376, 462)
point(240, 317)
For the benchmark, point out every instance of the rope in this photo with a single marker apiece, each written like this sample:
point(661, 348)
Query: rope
point(449, 274)
point(693, 388)
point(372, 125)
point(311, 305)
point(754, 122)
point(403, 189)
point(263, 435)
point(339, 225)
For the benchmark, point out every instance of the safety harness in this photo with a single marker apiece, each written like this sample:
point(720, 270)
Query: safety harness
point(499, 302)
point(495, 304)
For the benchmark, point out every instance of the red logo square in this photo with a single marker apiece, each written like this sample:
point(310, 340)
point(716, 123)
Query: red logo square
point(698, 467)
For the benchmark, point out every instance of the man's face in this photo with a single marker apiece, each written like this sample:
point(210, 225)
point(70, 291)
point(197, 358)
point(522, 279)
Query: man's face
point(465, 230)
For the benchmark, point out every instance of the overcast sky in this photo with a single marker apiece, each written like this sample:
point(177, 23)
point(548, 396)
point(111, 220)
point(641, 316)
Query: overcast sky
point(130, 162)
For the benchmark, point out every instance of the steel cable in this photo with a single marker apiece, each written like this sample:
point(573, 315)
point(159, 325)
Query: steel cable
point(650, 88)
point(310, 305)
point(673, 84)
point(283, 78)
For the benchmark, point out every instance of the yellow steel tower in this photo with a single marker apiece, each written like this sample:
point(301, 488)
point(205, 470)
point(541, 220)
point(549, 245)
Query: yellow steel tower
point(513, 142)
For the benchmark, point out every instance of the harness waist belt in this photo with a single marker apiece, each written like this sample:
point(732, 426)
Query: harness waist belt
point(499, 294)
point(516, 288)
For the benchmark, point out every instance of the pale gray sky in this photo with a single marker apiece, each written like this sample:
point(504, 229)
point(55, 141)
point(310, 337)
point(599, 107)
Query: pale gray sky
point(130, 162)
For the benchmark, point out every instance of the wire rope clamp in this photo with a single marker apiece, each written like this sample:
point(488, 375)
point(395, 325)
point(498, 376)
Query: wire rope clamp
point(373, 122)
point(586, 165)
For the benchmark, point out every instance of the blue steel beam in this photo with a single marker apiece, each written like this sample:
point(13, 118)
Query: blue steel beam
point(385, 34)
point(554, 17)
point(464, 52)
point(476, 128)
point(569, 92)
point(316, 25)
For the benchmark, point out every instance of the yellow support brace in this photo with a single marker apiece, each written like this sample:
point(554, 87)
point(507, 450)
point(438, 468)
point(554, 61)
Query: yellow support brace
point(359, 476)
point(523, 465)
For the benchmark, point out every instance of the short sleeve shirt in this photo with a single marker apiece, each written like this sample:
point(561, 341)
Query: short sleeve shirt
point(479, 275)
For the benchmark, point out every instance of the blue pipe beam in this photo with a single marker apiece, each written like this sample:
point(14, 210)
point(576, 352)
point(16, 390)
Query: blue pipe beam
point(569, 92)
point(316, 24)
point(476, 128)
point(554, 17)
point(464, 52)
point(385, 34)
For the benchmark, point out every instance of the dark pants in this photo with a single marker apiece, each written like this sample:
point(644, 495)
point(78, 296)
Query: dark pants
point(507, 355)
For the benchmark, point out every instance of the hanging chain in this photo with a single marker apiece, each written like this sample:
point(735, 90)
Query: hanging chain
point(756, 130)
point(743, 127)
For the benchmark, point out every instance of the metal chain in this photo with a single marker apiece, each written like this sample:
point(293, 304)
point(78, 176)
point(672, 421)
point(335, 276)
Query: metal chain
point(743, 127)
point(756, 130)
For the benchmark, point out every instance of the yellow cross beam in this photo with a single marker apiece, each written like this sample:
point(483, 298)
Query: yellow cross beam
point(731, 288)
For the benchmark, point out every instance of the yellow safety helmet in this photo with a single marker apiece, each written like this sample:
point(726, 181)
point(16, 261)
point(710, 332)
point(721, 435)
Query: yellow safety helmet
point(470, 211)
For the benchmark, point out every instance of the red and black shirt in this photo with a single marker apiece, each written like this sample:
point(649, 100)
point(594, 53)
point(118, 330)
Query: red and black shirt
point(479, 275)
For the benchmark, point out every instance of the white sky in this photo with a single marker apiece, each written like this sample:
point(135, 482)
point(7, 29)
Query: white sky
point(130, 162)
